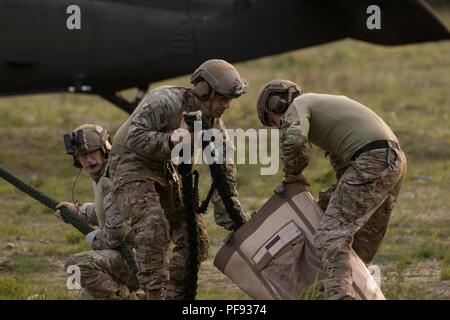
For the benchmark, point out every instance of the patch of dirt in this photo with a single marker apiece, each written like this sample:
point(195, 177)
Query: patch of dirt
point(424, 275)
point(214, 281)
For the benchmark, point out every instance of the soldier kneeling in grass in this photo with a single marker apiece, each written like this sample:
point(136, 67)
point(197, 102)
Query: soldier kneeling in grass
point(104, 273)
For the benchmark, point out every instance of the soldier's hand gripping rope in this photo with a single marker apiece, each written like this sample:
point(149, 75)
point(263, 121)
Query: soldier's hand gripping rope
point(124, 250)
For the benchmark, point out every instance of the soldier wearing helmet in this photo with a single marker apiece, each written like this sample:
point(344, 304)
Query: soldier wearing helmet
point(369, 166)
point(104, 273)
point(89, 145)
point(145, 180)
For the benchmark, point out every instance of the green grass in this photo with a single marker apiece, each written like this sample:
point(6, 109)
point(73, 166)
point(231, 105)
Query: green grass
point(445, 268)
point(12, 289)
point(18, 288)
point(74, 237)
point(29, 264)
point(395, 287)
point(57, 250)
point(27, 277)
point(408, 86)
point(431, 249)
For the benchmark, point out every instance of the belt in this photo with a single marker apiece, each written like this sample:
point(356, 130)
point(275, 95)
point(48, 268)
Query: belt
point(378, 144)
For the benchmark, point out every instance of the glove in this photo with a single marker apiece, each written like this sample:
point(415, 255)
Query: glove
point(69, 206)
point(296, 178)
point(325, 196)
point(229, 226)
point(90, 237)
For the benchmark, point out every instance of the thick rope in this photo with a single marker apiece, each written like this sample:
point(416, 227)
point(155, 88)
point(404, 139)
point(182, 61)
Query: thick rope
point(190, 192)
point(124, 250)
point(189, 182)
point(223, 186)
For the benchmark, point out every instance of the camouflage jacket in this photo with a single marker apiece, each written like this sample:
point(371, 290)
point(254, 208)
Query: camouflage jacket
point(141, 145)
point(293, 146)
point(104, 214)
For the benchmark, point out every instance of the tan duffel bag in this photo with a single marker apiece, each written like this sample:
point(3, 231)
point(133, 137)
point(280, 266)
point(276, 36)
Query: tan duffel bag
point(272, 256)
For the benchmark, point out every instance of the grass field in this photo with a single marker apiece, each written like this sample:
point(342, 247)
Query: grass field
point(408, 86)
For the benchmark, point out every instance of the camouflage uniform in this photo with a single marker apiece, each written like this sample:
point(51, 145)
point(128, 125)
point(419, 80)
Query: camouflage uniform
point(104, 273)
point(358, 206)
point(147, 190)
point(357, 215)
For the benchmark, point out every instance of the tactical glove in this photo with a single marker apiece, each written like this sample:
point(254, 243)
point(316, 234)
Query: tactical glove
point(69, 206)
point(90, 237)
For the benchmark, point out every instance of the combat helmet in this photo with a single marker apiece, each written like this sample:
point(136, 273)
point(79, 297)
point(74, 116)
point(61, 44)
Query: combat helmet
point(276, 96)
point(217, 76)
point(87, 138)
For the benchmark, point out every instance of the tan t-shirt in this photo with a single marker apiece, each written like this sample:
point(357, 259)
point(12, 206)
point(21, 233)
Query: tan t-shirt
point(336, 123)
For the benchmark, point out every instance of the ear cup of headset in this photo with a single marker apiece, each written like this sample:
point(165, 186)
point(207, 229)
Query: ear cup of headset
point(202, 90)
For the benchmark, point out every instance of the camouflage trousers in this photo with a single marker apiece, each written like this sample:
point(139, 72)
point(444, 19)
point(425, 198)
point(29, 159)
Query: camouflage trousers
point(158, 219)
point(357, 215)
point(104, 274)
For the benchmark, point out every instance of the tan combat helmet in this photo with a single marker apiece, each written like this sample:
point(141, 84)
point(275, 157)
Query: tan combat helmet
point(217, 77)
point(87, 138)
point(276, 96)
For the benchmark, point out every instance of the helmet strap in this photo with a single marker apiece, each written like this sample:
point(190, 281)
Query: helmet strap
point(205, 105)
point(211, 100)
